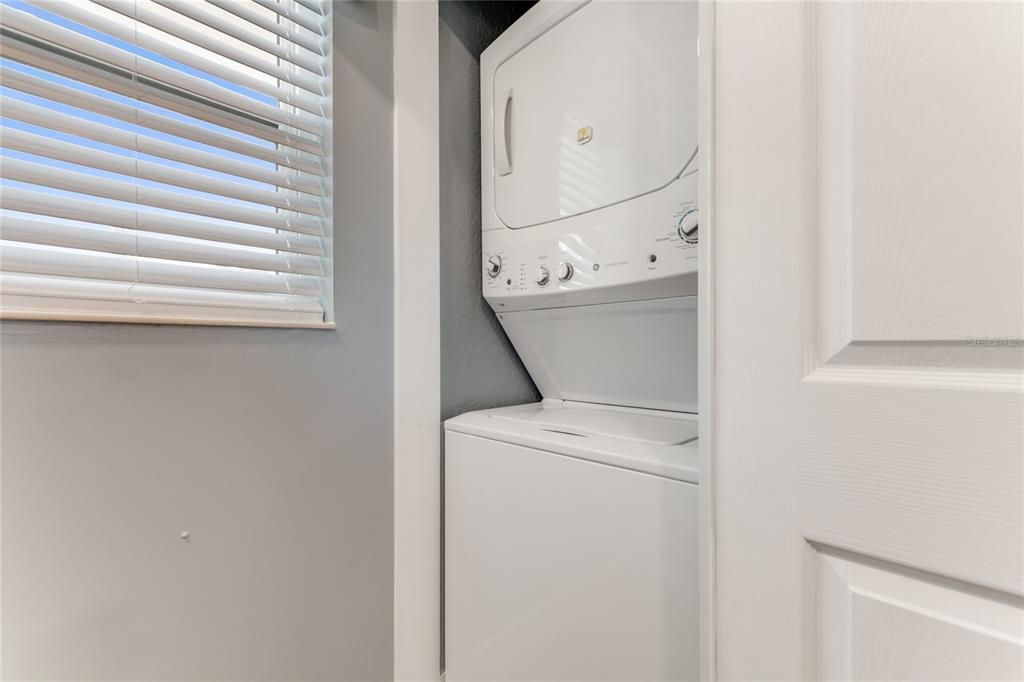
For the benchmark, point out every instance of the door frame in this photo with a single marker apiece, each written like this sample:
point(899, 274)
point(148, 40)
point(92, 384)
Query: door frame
point(706, 336)
point(417, 349)
point(417, 595)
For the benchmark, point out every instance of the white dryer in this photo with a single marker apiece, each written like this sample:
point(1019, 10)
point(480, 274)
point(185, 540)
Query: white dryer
point(570, 525)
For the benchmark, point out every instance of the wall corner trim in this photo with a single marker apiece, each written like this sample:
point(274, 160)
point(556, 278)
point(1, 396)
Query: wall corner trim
point(417, 443)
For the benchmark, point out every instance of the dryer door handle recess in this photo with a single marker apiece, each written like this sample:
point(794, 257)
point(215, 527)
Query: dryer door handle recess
point(504, 134)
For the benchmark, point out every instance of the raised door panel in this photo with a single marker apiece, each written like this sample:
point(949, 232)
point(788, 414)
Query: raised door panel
point(937, 172)
point(922, 475)
point(882, 623)
point(912, 402)
point(921, 148)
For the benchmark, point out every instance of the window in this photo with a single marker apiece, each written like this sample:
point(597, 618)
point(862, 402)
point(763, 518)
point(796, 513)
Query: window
point(166, 161)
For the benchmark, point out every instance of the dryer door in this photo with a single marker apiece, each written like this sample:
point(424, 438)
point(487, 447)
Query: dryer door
point(597, 110)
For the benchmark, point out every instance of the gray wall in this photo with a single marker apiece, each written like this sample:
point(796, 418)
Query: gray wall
point(479, 368)
point(273, 448)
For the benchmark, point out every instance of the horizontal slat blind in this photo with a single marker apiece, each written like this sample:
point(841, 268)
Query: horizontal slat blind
point(165, 161)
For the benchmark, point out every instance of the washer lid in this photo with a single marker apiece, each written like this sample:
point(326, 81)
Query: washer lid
point(609, 422)
point(629, 438)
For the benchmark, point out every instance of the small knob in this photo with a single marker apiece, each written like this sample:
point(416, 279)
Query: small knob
point(687, 228)
point(565, 271)
point(542, 276)
point(493, 266)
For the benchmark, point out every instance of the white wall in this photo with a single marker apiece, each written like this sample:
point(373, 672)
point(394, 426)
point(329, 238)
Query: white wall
point(272, 448)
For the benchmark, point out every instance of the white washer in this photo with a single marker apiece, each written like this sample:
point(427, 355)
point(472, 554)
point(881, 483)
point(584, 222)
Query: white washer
point(570, 525)
point(571, 544)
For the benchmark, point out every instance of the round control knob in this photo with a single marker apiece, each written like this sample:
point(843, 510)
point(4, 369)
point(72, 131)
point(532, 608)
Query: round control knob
point(493, 266)
point(542, 276)
point(688, 227)
point(565, 271)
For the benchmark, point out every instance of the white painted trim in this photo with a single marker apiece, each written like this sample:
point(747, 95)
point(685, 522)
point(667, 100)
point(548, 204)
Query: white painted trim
point(417, 445)
point(2, 675)
point(706, 336)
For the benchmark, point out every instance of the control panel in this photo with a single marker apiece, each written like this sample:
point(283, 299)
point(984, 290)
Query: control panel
point(641, 247)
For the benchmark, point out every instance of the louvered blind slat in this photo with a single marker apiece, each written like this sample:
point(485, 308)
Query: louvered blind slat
point(317, 6)
point(191, 31)
point(160, 167)
point(118, 137)
point(81, 58)
point(55, 92)
point(287, 30)
point(70, 152)
point(89, 14)
point(297, 14)
point(128, 191)
point(65, 262)
point(66, 298)
point(130, 218)
point(111, 240)
point(206, 15)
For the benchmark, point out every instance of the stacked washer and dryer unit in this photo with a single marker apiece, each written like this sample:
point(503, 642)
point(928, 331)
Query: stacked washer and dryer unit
point(571, 524)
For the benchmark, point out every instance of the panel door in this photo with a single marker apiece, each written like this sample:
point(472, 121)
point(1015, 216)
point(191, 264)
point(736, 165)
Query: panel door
point(869, 306)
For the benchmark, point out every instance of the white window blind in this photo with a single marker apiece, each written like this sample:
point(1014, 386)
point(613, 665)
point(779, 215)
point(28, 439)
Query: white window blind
point(166, 161)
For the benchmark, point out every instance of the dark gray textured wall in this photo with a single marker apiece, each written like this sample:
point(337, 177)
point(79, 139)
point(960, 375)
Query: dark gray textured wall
point(272, 447)
point(479, 368)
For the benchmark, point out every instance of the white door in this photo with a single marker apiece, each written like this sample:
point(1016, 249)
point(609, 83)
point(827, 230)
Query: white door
point(868, 265)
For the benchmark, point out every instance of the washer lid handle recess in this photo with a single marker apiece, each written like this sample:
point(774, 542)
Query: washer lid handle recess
point(606, 422)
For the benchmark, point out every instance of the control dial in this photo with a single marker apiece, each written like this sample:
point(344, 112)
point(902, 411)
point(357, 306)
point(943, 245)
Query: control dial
point(565, 271)
point(493, 266)
point(543, 277)
point(688, 226)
